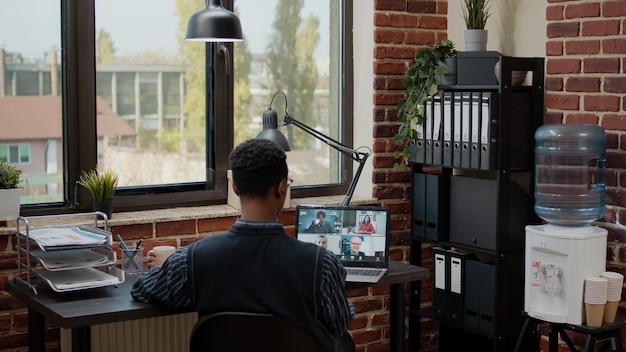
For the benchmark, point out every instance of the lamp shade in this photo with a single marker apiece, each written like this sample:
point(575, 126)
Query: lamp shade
point(214, 24)
point(270, 130)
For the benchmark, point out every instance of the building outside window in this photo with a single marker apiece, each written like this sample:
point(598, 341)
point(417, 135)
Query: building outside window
point(161, 111)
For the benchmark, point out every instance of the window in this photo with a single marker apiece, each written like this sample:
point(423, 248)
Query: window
point(15, 154)
point(158, 109)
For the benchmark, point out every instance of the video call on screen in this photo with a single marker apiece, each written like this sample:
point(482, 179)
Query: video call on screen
point(346, 233)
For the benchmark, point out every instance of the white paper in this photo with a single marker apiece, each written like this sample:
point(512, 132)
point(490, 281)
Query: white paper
point(66, 236)
point(455, 275)
point(440, 271)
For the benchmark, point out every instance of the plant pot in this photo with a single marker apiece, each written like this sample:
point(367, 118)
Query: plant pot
point(105, 206)
point(475, 40)
point(10, 203)
point(449, 78)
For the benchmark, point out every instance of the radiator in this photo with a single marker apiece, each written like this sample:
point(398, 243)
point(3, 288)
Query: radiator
point(162, 334)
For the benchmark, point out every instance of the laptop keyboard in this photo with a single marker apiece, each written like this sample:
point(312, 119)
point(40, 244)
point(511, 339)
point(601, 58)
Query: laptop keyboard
point(362, 272)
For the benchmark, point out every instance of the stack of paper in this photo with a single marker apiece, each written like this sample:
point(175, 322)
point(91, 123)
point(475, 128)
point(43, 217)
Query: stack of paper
point(68, 237)
point(78, 279)
point(74, 258)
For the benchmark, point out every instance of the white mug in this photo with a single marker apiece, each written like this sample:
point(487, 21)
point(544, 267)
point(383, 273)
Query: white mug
point(163, 251)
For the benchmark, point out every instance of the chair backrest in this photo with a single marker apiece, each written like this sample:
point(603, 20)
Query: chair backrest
point(242, 332)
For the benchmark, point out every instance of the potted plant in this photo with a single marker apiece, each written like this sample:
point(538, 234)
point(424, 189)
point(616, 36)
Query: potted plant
point(101, 186)
point(475, 14)
point(10, 191)
point(421, 83)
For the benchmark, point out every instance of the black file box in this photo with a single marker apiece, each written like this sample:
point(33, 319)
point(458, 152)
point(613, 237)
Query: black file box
point(477, 67)
point(479, 296)
point(473, 211)
point(431, 206)
point(449, 291)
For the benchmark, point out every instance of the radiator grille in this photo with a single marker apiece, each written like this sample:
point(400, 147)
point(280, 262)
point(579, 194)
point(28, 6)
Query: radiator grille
point(162, 334)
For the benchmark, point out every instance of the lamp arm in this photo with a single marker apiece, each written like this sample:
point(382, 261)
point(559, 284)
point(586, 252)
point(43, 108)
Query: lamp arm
point(360, 157)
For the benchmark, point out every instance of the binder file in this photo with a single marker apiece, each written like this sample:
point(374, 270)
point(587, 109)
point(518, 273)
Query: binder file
point(448, 294)
point(437, 207)
point(428, 136)
point(475, 102)
point(448, 119)
point(437, 130)
point(456, 132)
point(465, 129)
point(419, 205)
point(479, 300)
point(488, 133)
point(416, 147)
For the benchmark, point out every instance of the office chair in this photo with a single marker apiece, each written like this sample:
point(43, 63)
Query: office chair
point(244, 332)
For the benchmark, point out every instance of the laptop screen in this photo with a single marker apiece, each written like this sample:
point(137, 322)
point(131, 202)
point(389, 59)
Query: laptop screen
point(357, 235)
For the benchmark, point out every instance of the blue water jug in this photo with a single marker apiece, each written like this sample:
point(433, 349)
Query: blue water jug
point(570, 161)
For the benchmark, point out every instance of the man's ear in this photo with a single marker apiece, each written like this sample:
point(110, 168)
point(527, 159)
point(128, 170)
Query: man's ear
point(281, 190)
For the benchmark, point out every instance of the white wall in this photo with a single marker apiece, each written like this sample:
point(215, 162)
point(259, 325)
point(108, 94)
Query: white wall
point(524, 34)
point(363, 49)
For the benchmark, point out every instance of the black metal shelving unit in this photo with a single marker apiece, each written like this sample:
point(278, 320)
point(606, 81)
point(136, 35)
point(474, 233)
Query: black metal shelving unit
point(472, 214)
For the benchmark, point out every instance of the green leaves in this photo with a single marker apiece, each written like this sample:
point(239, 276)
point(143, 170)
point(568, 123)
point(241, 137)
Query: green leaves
point(9, 176)
point(100, 184)
point(420, 83)
point(476, 13)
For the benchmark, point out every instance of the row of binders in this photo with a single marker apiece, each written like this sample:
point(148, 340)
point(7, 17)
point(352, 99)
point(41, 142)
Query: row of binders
point(460, 130)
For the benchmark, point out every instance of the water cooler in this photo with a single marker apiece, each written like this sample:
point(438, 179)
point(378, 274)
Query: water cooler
point(569, 195)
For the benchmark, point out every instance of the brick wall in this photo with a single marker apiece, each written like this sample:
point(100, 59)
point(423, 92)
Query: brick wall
point(586, 83)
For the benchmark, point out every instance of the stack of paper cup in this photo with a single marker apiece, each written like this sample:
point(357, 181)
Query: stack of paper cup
point(595, 300)
point(615, 282)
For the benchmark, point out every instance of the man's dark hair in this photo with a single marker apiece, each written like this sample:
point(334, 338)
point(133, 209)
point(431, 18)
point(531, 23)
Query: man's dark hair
point(322, 213)
point(257, 164)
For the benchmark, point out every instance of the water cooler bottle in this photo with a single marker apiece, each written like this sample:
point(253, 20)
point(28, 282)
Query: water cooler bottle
point(569, 195)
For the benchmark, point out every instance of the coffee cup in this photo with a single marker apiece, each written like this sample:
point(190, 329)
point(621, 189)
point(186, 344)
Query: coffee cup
point(163, 251)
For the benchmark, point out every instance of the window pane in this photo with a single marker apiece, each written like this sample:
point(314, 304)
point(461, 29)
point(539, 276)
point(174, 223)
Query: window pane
point(30, 100)
point(151, 89)
point(292, 46)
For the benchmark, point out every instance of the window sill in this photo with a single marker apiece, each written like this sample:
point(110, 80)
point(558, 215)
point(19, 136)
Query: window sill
point(192, 213)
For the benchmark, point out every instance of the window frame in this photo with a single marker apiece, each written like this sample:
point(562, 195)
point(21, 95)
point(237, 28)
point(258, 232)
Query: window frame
point(79, 123)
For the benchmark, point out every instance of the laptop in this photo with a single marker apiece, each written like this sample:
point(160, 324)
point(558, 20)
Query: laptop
point(357, 235)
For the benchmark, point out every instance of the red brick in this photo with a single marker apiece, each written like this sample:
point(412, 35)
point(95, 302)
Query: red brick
point(400, 52)
point(554, 48)
point(601, 103)
point(615, 84)
point(562, 101)
point(600, 28)
point(562, 30)
point(421, 6)
point(390, 5)
point(614, 8)
point(174, 228)
point(554, 12)
point(582, 47)
point(421, 38)
point(134, 232)
point(389, 68)
point(601, 65)
point(432, 22)
point(402, 20)
point(381, 19)
point(215, 224)
point(582, 118)
point(582, 84)
point(388, 36)
point(563, 66)
point(582, 10)
point(614, 122)
point(614, 46)
point(554, 84)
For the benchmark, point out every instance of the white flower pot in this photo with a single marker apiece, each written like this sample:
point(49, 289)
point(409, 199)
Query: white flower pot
point(10, 203)
point(475, 40)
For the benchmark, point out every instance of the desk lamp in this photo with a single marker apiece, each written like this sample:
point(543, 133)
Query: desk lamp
point(270, 131)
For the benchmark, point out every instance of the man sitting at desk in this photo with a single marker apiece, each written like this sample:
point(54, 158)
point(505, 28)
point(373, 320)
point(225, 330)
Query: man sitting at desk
point(228, 272)
point(320, 225)
point(355, 248)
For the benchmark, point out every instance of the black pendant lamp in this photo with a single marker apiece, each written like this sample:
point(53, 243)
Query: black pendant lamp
point(214, 24)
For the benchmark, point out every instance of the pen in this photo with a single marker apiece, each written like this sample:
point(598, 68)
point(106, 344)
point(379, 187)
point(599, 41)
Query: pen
point(119, 237)
point(136, 249)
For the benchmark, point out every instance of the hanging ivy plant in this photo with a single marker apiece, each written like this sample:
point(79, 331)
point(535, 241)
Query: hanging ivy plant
point(421, 84)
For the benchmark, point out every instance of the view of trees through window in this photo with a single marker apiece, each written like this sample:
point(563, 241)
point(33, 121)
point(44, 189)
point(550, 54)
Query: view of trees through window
point(152, 92)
